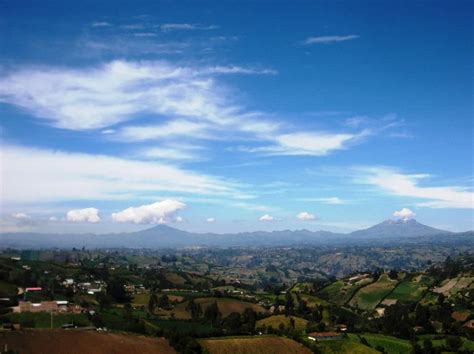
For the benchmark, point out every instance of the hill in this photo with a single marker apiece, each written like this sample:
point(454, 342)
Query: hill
point(79, 342)
point(253, 345)
point(398, 228)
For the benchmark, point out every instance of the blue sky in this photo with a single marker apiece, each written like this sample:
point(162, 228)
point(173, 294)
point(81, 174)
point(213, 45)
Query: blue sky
point(230, 116)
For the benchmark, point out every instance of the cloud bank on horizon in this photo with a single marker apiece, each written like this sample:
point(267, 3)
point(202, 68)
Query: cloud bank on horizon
point(127, 119)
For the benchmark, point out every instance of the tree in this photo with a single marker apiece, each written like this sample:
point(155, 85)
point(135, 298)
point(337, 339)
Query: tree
point(153, 302)
point(116, 289)
point(292, 322)
point(194, 309)
point(212, 313)
point(163, 302)
point(289, 304)
point(454, 342)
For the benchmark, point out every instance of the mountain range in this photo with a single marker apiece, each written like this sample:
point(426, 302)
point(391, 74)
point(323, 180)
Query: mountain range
point(162, 236)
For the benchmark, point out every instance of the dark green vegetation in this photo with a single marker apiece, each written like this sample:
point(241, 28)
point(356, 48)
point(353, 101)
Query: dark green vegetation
point(237, 295)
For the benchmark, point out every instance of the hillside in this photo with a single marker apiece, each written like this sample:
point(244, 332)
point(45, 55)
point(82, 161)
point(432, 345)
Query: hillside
point(80, 342)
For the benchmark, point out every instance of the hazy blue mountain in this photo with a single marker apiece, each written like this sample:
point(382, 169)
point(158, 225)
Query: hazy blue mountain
point(398, 228)
point(162, 236)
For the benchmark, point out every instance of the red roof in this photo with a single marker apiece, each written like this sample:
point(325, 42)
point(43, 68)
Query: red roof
point(33, 289)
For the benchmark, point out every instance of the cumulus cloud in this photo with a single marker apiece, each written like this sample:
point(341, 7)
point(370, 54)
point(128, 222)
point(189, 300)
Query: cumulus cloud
point(305, 216)
point(329, 39)
point(408, 185)
point(53, 218)
point(404, 214)
point(83, 215)
point(20, 216)
point(156, 213)
point(179, 219)
point(266, 218)
point(210, 220)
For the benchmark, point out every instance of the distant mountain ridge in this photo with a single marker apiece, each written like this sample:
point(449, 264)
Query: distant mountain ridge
point(163, 236)
point(399, 228)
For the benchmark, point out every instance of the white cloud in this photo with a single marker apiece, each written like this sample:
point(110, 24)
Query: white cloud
point(185, 27)
point(310, 143)
point(83, 215)
point(179, 219)
point(40, 176)
point(233, 69)
point(331, 200)
point(408, 185)
point(305, 216)
point(404, 214)
point(101, 24)
point(156, 213)
point(210, 220)
point(329, 39)
point(164, 131)
point(97, 97)
point(266, 218)
point(53, 218)
point(168, 153)
point(195, 105)
point(20, 216)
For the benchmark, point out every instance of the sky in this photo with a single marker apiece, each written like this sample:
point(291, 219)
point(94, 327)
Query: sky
point(234, 116)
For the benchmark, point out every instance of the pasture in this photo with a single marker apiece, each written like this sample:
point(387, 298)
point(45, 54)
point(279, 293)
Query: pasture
point(369, 296)
point(253, 345)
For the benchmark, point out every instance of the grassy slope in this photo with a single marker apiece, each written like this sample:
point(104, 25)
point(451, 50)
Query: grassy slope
point(407, 291)
point(43, 319)
point(369, 296)
point(345, 346)
point(253, 345)
point(275, 321)
point(342, 291)
point(392, 345)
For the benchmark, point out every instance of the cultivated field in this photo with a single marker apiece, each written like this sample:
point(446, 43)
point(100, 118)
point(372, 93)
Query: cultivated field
point(392, 345)
point(369, 296)
point(341, 291)
point(277, 320)
point(410, 290)
point(80, 342)
point(344, 346)
point(226, 307)
point(253, 345)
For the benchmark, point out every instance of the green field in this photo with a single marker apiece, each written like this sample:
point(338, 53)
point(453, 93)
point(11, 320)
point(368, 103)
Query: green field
point(344, 346)
point(43, 319)
point(392, 345)
point(407, 291)
point(439, 342)
point(341, 291)
point(7, 289)
point(275, 321)
point(369, 296)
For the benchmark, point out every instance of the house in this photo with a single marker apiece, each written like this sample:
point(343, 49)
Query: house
point(317, 336)
point(341, 328)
